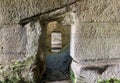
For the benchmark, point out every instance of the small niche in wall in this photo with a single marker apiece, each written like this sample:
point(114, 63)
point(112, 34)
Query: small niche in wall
point(56, 41)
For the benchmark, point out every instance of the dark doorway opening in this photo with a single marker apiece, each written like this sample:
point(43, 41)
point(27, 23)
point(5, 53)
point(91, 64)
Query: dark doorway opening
point(57, 62)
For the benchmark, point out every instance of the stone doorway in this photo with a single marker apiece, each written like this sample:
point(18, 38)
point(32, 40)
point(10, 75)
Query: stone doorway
point(57, 63)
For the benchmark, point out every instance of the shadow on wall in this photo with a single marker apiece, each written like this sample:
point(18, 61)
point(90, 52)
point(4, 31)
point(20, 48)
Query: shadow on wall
point(57, 65)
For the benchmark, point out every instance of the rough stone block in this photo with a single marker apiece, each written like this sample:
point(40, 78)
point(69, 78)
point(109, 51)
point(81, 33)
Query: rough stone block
point(12, 42)
point(17, 42)
point(92, 74)
point(96, 42)
point(97, 10)
point(18, 50)
point(14, 10)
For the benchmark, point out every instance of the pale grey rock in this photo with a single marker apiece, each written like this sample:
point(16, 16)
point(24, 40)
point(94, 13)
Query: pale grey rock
point(12, 11)
point(18, 50)
point(18, 42)
point(112, 72)
point(12, 42)
point(93, 42)
point(97, 10)
point(95, 35)
point(33, 32)
point(83, 75)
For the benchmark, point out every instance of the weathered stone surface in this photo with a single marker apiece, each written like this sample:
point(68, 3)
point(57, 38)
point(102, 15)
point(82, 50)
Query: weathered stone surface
point(33, 32)
point(17, 71)
point(96, 42)
point(97, 10)
point(19, 46)
point(83, 76)
point(14, 10)
point(12, 42)
point(18, 42)
point(92, 74)
point(94, 38)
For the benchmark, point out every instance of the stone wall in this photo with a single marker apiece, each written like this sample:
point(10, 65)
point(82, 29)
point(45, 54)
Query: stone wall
point(19, 47)
point(12, 11)
point(94, 44)
point(23, 26)
point(95, 40)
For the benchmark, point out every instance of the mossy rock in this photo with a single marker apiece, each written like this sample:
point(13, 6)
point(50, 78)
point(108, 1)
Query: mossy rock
point(72, 76)
point(109, 81)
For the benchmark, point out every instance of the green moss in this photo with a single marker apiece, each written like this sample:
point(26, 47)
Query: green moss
point(72, 76)
point(109, 81)
point(17, 72)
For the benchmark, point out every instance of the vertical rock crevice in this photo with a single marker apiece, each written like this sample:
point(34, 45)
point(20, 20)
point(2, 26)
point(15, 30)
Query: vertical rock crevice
point(40, 56)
